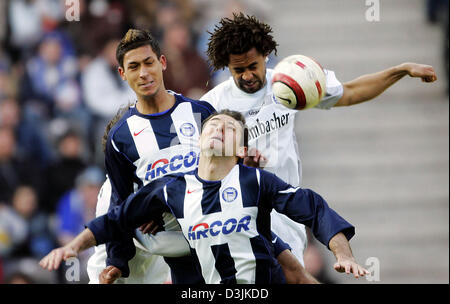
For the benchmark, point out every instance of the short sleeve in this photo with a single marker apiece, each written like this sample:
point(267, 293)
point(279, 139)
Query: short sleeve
point(335, 90)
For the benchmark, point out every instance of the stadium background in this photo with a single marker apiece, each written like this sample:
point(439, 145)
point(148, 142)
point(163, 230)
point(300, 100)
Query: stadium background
point(383, 164)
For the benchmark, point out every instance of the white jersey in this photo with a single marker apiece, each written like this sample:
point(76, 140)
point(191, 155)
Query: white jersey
point(271, 131)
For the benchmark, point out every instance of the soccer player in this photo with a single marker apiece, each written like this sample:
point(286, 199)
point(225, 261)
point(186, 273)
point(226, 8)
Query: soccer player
point(154, 137)
point(223, 208)
point(243, 44)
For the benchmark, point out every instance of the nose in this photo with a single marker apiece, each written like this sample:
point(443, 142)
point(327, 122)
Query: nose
point(143, 73)
point(247, 76)
point(220, 127)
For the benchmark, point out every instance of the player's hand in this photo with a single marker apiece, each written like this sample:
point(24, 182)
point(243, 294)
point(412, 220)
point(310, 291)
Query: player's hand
point(52, 260)
point(255, 159)
point(150, 227)
point(426, 72)
point(109, 275)
point(349, 265)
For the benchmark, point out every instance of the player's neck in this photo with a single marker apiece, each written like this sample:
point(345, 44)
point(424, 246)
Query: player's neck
point(160, 102)
point(214, 168)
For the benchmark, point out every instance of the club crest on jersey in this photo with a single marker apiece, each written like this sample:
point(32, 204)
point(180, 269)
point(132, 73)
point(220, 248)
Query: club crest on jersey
point(187, 129)
point(229, 194)
point(177, 163)
point(205, 230)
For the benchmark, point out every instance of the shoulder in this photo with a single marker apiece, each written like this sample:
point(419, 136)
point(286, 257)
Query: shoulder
point(217, 94)
point(246, 173)
point(120, 131)
point(269, 179)
point(269, 74)
point(198, 106)
point(334, 91)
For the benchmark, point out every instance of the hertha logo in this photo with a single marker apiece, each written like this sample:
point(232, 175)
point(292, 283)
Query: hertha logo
point(187, 129)
point(229, 194)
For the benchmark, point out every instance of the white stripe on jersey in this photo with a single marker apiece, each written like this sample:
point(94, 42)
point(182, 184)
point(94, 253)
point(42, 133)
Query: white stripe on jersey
point(247, 260)
point(145, 141)
point(192, 210)
point(185, 124)
point(239, 244)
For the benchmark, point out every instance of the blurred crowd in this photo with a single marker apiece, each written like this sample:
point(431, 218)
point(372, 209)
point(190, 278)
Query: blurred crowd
point(59, 87)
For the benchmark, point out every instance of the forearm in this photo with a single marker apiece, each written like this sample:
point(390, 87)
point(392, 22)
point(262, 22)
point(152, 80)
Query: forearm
point(345, 261)
point(83, 241)
point(340, 247)
point(369, 86)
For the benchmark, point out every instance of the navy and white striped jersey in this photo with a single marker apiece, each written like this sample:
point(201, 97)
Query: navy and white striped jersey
point(141, 148)
point(227, 222)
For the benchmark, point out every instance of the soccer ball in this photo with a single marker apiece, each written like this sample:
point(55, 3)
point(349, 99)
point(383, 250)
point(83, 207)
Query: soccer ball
point(299, 82)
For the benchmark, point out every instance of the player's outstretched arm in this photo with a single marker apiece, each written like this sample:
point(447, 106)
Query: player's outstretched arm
point(81, 242)
point(340, 247)
point(369, 86)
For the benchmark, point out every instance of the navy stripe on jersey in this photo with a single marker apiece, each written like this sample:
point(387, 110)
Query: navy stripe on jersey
point(185, 270)
point(123, 135)
point(263, 260)
point(164, 133)
point(205, 108)
point(249, 186)
point(175, 192)
point(211, 198)
point(224, 263)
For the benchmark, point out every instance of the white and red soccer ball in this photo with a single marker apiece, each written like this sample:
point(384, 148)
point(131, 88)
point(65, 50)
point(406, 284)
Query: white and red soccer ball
point(299, 82)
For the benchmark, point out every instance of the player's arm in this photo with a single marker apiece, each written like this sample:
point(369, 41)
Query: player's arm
point(293, 271)
point(118, 224)
point(81, 242)
point(120, 171)
point(369, 86)
point(345, 262)
point(309, 208)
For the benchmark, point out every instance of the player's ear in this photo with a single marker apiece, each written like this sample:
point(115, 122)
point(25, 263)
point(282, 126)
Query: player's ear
point(163, 61)
point(122, 73)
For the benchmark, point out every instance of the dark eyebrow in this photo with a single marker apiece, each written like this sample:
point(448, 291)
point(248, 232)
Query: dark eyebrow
point(218, 119)
point(136, 62)
point(214, 118)
point(246, 67)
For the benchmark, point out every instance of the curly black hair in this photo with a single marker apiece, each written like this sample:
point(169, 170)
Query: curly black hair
point(238, 36)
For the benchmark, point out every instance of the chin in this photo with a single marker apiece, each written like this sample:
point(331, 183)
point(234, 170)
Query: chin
point(252, 90)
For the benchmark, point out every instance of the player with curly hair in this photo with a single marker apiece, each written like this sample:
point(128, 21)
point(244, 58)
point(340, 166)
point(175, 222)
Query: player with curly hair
point(242, 44)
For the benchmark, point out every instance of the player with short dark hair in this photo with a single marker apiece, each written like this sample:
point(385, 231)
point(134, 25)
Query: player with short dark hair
point(223, 208)
point(154, 136)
